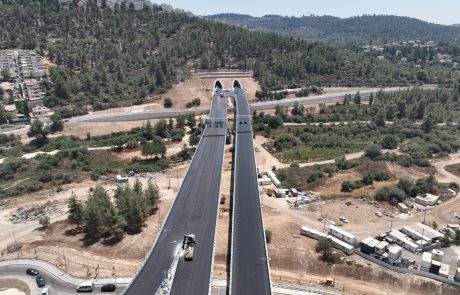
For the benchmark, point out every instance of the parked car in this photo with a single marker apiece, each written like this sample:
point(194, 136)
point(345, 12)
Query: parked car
point(40, 281)
point(343, 219)
point(45, 291)
point(32, 271)
point(379, 214)
point(108, 288)
point(87, 286)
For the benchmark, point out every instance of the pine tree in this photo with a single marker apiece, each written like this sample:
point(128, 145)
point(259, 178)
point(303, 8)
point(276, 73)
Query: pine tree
point(75, 210)
point(152, 196)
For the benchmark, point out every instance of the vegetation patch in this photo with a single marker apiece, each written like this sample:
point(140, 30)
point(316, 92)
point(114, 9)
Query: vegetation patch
point(454, 169)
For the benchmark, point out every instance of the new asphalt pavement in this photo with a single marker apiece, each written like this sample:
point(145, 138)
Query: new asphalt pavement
point(249, 261)
point(194, 212)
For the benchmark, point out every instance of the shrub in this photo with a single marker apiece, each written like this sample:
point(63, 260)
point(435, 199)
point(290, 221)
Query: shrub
point(177, 134)
point(45, 177)
point(389, 141)
point(391, 195)
point(167, 103)
point(94, 176)
point(367, 180)
point(381, 175)
point(349, 186)
point(324, 246)
point(373, 151)
point(315, 176)
point(285, 141)
point(268, 236)
point(131, 144)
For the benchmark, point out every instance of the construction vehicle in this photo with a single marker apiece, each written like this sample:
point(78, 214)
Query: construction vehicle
point(188, 246)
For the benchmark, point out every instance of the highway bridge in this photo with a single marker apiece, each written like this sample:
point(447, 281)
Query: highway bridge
point(250, 274)
point(194, 212)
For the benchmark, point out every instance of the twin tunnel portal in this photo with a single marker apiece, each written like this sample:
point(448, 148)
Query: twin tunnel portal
point(195, 212)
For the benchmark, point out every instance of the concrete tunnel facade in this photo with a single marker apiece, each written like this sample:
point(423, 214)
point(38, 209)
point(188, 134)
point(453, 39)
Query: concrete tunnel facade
point(218, 84)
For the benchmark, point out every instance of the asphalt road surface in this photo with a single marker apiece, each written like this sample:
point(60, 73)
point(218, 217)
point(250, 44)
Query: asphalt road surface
point(55, 284)
point(266, 105)
point(249, 266)
point(194, 212)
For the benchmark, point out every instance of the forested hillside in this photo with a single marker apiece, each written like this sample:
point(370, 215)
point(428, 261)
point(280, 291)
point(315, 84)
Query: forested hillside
point(111, 56)
point(329, 28)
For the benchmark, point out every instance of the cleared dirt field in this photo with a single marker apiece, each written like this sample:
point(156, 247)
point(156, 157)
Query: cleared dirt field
point(13, 287)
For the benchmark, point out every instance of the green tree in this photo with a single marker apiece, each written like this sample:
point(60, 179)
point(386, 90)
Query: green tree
point(56, 123)
point(191, 121)
point(177, 134)
point(75, 208)
point(147, 131)
point(427, 124)
point(180, 121)
point(167, 103)
point(152, 196)
point(373, 151)
point(98, 213)
point(39, 132)
point(357, 98)
point(154, 149)
point(194, 139)
point(161, 129)
point(389, 141)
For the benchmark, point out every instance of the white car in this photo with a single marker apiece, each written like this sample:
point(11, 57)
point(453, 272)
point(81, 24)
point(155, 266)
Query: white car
point(44, 291)
point(343, 219)
point(379, 214)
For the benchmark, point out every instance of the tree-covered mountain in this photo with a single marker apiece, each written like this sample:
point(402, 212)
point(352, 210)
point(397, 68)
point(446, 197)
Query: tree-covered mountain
point(329, 28)
point(108, 56)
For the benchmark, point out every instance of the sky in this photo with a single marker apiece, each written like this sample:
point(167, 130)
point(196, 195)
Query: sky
point(445, 12)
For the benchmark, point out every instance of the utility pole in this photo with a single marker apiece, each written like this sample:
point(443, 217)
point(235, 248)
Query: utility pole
point(424, 215)
point(177, 175)
point(16, 247)
point(65, 260)
point(159, 219)
point(324, 225)
point(391, 224)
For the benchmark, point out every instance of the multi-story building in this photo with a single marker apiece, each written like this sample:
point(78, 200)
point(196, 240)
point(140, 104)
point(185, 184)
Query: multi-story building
point(31, 65)
point(33, 92)
point(8, 62)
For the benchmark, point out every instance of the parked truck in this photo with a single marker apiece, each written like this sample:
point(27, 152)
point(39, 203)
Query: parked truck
point(188, 246)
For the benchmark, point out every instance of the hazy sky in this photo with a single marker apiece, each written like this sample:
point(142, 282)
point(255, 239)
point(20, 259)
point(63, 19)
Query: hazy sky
point(440, 11)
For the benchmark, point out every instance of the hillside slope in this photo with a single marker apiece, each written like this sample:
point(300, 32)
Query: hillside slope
point(329, 28)
point(108, 57)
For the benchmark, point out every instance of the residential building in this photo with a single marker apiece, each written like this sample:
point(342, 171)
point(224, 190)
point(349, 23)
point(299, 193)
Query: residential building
point(41, 113)
point(33, 92)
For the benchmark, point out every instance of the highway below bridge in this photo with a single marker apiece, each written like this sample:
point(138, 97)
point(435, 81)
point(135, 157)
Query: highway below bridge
point(256, 106)
point(194, 212)
point(250, 273)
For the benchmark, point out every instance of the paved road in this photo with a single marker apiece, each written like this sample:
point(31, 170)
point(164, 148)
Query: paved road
point(249, 265)
point(266, 105)
point(193, 212)
point(56, 280)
